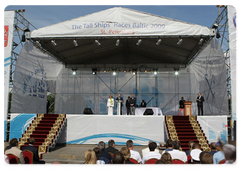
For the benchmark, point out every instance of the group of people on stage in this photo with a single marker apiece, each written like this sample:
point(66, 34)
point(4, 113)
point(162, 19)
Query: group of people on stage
point(200, 100)
point(130, 104)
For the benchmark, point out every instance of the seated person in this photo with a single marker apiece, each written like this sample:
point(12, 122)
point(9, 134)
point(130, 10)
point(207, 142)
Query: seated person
point(111, 147)
point(146, 150)
point(176, 153)
point(118, 158)
point(15, 151)
point(152, 154)
point(126, 153)
point(106, 157)
point(143, 104)
point(134, 154)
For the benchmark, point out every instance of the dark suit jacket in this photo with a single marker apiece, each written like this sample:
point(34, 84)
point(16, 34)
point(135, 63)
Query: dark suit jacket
point(120, 99)
point(133, 101)
point(200, 103)
point(34, 150)
point(110, 150)
point(181, 104)
point(143, 104)
point(107, 156)
point(127, 104)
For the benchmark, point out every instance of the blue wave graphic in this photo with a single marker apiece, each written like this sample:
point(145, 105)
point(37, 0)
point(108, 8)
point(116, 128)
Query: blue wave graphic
point(5, 60)
point(111, 135)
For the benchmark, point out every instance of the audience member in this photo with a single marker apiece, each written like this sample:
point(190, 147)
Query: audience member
point(152, 154)
point(106, 157)
point(15, 151)
point(5, 159)
point(34, 150)
point(111, 147)
point(219, 155)
point(166, 157)
point(134, 154)
point(126, 153)
point(118, 158)
point(213, 148)
point(229, 153)
point(169, 145)
point(206, 158)
point(97, 152)
point(190, 144)
point(195, 153)
point(160, 162)
point(90, 157)
point(146, 150)
point(176, 153)
point(9, 146)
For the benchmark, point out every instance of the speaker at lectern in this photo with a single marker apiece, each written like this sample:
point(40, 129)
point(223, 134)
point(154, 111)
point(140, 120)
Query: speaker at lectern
point(119, 106)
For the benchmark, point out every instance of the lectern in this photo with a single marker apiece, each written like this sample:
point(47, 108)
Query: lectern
point(187, 109)
point(119, 106)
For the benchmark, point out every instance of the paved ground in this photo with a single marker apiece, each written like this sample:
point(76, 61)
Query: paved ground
point(74, 154)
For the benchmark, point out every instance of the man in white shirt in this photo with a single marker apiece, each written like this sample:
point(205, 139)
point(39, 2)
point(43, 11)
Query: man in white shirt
point(134, 154)
point(152, 154)
point(176, 153)
point(146, 150)
point(15, 151)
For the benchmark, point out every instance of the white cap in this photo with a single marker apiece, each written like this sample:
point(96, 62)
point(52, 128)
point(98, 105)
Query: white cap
point(195, 153)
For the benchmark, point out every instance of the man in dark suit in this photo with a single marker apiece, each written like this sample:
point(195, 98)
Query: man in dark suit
point(128, 105)
point(34, 150)
point(143, 104)
point(120, 98)
point(132, 105)
point(106, 157)
point(200, 100)
point(111, 147)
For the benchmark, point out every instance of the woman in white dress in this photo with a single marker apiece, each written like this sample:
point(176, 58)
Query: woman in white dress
point(110, 105)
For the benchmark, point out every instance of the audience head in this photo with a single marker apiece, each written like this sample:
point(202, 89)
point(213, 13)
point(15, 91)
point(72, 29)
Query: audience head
point(129, 144)
point(196, 146)
point(118, 158)
point(169, 143)
point(176, 144)
point(219, 146)
point(213, 146)
point(206, 158)
point(90, 157)
point(97, 152)
point(129, 97)
point(14, 142)
point(4, 147)
point(182, 98)
point(160, 162)
point(126, 153)
point(166, 157)
point(101, 145)
point(152, 146)
point(111, 143)
point(133, 95)
point(31, 141)
point(229, 152)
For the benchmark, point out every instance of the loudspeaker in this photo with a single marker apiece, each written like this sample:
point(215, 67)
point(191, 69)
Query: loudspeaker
point(148, 112)
point(87, 111)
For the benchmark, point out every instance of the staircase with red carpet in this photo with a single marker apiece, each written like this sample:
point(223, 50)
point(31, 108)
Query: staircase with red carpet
point(45, 129)
point(185, 129)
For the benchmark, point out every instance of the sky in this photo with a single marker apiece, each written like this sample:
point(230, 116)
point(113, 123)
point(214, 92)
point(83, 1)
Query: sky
point(41, 16)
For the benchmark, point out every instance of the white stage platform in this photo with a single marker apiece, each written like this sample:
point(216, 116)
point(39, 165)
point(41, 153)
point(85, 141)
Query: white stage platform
point(140, 111)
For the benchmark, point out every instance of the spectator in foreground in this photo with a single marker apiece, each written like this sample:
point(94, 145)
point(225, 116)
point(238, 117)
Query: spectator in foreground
point(195, 153)
point(146, 150)
point(152, 154)
point(5, 159)
point(169, 145)
point(126, 153)
point(134, 154)
point(90, 157)
point(190, 144)
point(34, 150)
point(118, 158)
point(213, 148)
point(106, 157)
point(176, 153)
point(111, 147)
point(219, 155)
point(15, 151)
point(160, 162)
point(97, 152)
point(166, 157)
point(206, 158)
point(229, 153)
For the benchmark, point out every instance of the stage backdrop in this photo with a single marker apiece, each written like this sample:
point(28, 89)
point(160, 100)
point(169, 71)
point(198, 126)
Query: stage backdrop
point(74, 93)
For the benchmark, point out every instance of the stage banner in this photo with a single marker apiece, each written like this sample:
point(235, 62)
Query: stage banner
point(8, 38)
point(35, 73)
point(214, 127)
point(232, 23)
point(84, 129)
point(19, 123)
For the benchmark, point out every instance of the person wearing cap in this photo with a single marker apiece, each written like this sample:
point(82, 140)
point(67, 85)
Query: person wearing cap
point(218, 156)
point(229, 153)
point(195, 153)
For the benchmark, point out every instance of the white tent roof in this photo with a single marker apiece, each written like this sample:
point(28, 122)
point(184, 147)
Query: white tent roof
point(120, 22)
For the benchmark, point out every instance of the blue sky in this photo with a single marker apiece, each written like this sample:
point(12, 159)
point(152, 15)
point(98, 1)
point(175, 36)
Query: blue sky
point(41, 16)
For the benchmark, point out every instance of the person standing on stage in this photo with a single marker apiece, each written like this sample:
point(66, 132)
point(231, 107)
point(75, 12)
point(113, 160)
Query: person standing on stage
point(181, 106)
point(132, 105)
point(110, 105)
point(128, 105)
point(143, 104)
point(120, 98)
point(200, 100)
